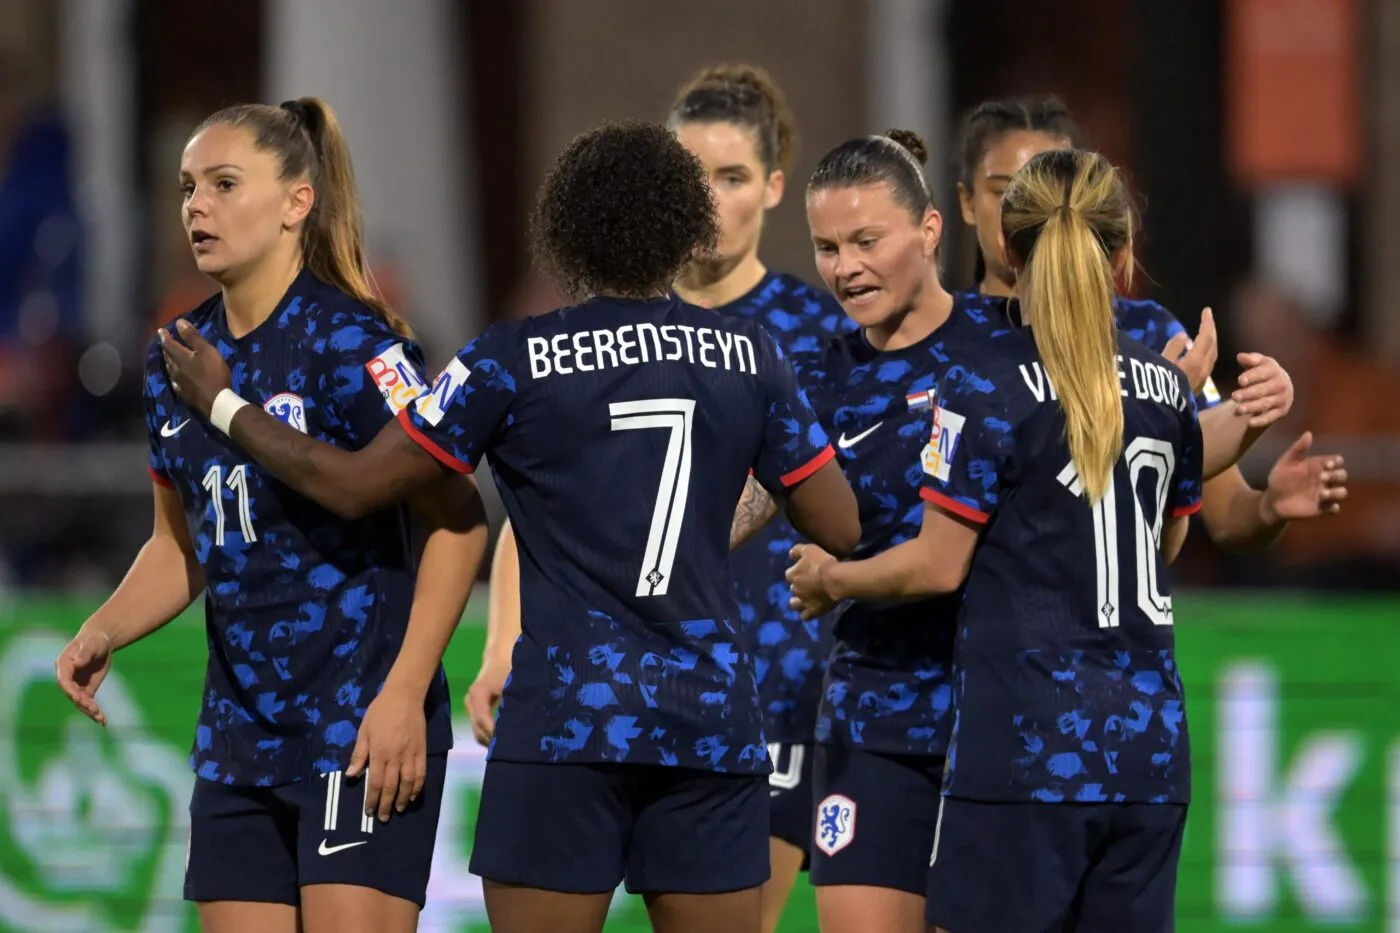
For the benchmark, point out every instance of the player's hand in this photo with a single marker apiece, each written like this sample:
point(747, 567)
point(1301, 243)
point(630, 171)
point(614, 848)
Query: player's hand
point(805, 577)
point(1266, 390)
point(197, 372)
point(81, 668)
point(393, 747)
point(1301, 486)
point(483, 696)
point(1196, 358)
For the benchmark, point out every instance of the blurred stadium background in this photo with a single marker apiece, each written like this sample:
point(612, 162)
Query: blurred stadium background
point(1261, 134)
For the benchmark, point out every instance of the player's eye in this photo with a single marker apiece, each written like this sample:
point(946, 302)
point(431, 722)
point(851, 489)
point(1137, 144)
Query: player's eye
point(225, 184)
point(867, 242)
point(734, 180)
point(187, 189)
point(825, 249)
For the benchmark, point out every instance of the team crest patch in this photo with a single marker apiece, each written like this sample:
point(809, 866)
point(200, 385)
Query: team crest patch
point(836, 823)
point(288, 408)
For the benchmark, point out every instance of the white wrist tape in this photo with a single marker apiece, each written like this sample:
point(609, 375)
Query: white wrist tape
point(226, 405)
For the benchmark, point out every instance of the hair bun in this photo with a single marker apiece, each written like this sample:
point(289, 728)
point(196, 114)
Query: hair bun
point(913, 142)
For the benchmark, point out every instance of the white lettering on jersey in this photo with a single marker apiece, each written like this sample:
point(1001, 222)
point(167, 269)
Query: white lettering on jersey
point(588, 351)
point(1150, 382)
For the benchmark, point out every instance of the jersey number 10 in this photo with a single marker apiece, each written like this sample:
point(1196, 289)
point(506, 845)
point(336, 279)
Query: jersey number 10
point(1143, 454)
point(237, 481)
point(675, 415)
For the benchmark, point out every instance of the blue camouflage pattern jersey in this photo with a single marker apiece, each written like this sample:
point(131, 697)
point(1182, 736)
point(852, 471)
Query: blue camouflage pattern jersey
point(304, 611)
point(888, 685)
point(789, 654)
point(1067, 684)
point(621, 434)
point(1149, 324)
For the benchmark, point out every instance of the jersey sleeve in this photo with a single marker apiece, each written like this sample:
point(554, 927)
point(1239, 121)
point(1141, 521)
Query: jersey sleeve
point(794, 444)
point(965, 457)
point(158, 406)
point(1185, 498)
point(374, 375)
point(457, 420)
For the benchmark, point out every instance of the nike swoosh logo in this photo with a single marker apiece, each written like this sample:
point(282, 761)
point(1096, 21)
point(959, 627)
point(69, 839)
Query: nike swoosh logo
point(167, 431)
point(843, 442)
point(331, 850)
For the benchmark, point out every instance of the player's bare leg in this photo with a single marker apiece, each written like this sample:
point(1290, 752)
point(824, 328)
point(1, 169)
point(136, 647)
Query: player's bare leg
point(736, 912)
point(347, 908)
point(238, 916)
point(785, 861)
point(514, 909)
point(853, 908)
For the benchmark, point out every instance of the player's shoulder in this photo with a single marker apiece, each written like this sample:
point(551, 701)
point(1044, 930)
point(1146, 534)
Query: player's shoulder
point(335, 321)
point(1146, 321)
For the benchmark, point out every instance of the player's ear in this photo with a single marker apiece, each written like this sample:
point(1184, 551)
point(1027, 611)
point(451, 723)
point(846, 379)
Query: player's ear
point(932, 230)
point(301, 197)
point(773, 189)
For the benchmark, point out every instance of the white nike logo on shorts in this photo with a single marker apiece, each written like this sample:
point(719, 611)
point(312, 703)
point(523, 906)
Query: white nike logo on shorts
point(331, 850)
point(167, 431)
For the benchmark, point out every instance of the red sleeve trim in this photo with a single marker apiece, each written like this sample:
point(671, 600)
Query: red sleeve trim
point(1183, 510)
point(960, 509)
point(422, 440)
point(812, 466)
point(160, 479)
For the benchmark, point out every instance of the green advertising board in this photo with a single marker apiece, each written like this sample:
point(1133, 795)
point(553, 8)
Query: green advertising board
point(1294, 719)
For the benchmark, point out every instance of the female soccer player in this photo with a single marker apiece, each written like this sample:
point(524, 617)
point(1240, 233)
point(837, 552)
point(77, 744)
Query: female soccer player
point(1055, 508)
point(998, 138)
point(885, 717)
point(876, 234)
point(737, 122)
point(324, 657)
point(622, 431)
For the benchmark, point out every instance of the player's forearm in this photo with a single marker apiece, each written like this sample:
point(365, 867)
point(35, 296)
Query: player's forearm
point(905, 571)
point(1225, 438)
point(161, 584)
point(350, 484)
point(452, 555)
point(1237, 516)
point(756, 508)
point(503, 609)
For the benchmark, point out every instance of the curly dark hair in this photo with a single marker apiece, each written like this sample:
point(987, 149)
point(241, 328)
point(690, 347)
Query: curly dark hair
point(621, 211)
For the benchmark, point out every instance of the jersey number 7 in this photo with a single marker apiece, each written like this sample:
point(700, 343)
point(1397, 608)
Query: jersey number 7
point(1144, 453)
point(676, 415)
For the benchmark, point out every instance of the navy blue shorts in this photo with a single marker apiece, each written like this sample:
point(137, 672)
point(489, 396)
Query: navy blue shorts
point(583, 828)
point(875, 818)
point(790, 796)
point(267, 843)
point(1091, 868)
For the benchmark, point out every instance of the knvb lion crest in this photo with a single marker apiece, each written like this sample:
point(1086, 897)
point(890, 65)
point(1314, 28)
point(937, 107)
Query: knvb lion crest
point(289, 408)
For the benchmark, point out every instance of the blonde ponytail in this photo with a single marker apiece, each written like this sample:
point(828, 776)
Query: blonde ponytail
point(1065, 216)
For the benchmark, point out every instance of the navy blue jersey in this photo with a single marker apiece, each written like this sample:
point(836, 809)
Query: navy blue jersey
point(305, 612)
point(621, 434)
point(1067, 684)
point(789, 654)
point(888, 684)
